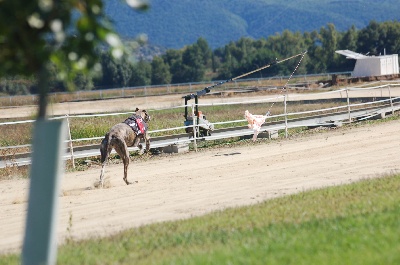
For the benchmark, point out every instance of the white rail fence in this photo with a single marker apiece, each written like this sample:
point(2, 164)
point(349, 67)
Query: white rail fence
point(381, 91)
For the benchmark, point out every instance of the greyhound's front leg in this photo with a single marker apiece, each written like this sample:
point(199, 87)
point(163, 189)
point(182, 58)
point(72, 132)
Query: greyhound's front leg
point(147, 138)
point(102, 174)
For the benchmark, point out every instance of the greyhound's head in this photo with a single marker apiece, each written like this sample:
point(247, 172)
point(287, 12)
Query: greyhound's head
point(145, 116)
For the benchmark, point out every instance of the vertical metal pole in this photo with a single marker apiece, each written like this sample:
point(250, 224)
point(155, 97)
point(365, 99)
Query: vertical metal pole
point(194, 128)
point(71, 148)
point(391, 101)
point(286, 121)
point(348, 104)
point(40, 241)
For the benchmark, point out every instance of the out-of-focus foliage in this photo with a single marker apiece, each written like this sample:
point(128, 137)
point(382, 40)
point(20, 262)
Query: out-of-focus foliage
point(65, 33)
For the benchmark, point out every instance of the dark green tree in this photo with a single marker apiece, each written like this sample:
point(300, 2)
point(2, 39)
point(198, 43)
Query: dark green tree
point(205, 50)
point(141, 74)
point(160, 72)
point(109, 70)
point(329, 40)
point(349, 39)
point(174, 60)
point(347, 42)
point(193, 68)
point(370, 39)
point(392, 37)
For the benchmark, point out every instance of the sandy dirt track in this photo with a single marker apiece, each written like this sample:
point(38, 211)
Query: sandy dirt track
point(181, 186)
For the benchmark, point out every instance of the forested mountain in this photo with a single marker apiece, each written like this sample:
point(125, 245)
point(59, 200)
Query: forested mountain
point(175, 23)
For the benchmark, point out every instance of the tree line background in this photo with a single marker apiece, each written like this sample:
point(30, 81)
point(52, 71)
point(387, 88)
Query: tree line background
point(198, 62)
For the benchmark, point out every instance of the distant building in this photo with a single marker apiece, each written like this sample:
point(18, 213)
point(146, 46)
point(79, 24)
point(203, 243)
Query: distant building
point(372, 65)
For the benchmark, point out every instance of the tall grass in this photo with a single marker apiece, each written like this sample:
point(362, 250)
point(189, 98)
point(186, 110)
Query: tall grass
point(352, 224)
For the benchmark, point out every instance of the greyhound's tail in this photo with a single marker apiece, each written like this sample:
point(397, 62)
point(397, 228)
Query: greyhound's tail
point(104, 147)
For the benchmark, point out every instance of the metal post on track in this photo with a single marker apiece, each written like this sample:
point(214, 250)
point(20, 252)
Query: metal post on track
point(194, 129)
point(391, 101)
point(348, 104)
point(71, 148)
point(286, 120)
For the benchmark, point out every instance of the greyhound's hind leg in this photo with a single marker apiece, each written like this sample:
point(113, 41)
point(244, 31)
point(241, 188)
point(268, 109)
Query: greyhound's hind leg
point(122, 150)
point(105, 151)
point(101, 182)
point(125, 159)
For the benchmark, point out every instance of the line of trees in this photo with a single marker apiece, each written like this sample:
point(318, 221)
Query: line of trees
point(198, 62)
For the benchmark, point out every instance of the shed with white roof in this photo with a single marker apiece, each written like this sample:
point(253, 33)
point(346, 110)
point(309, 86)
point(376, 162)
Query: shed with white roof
point(372, 65)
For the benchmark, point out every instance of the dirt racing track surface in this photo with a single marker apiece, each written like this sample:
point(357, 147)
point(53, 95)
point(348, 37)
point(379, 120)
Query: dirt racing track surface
point(185, 185)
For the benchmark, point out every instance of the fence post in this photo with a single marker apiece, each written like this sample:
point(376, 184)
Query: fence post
point(286, 121)
point(391, 100)
point(348, 104)
point(71, 148)
point(194, 129)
